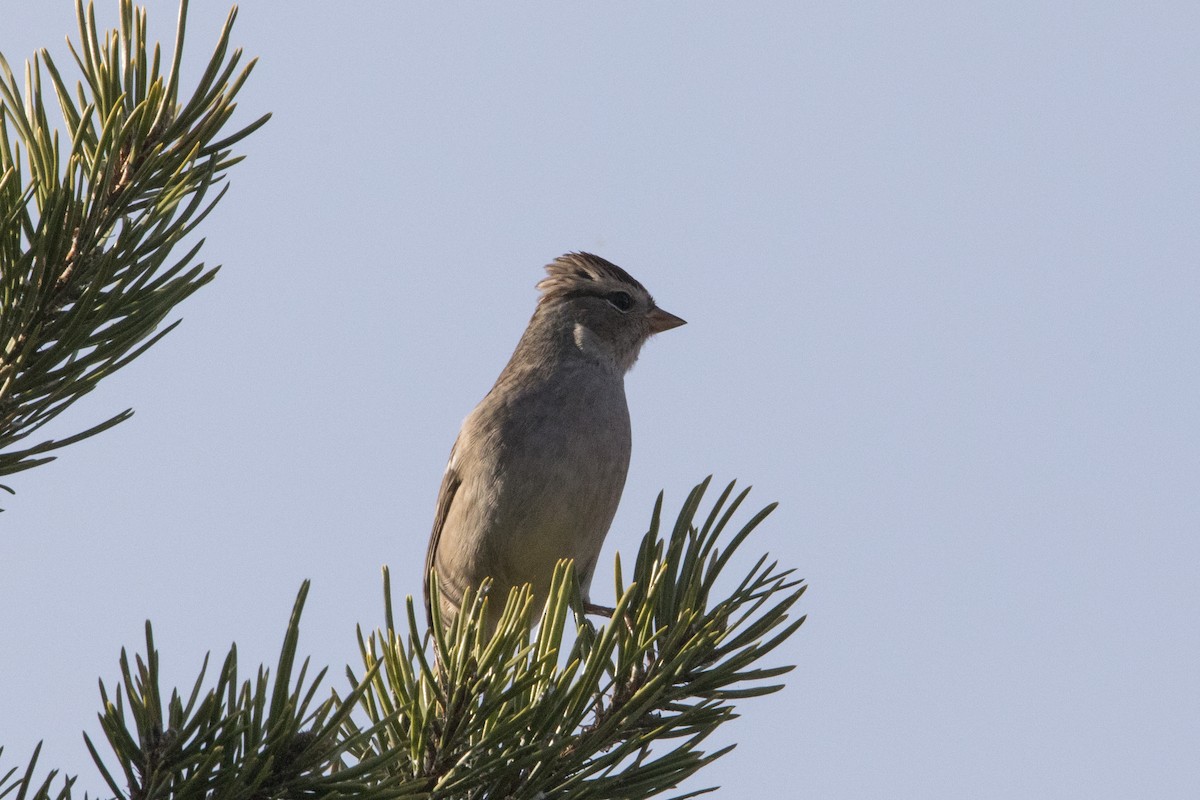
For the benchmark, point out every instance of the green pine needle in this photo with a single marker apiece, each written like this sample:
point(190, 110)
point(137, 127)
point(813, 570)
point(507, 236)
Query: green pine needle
point(91, 210)
point(563, 709)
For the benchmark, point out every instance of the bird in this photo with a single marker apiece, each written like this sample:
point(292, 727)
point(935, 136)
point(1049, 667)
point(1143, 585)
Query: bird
point(538, 467)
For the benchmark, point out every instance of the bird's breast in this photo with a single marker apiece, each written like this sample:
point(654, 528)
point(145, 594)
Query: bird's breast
point(562, 455)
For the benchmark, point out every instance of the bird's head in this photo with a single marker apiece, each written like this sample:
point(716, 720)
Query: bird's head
point(610, 314)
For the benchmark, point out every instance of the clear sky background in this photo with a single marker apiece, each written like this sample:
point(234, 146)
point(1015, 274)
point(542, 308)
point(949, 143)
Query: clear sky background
point(941, 267)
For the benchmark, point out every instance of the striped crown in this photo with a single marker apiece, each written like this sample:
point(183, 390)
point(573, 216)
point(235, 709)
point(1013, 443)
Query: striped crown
point(583, 272)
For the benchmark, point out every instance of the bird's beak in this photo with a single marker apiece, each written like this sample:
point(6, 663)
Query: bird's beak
point(663, 320)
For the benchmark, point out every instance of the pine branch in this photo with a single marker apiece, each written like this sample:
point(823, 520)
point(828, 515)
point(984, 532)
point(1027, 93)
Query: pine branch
point(257, 740)
point(620, 712)
point(87, 229)
point(570, 712)
point(253, 739)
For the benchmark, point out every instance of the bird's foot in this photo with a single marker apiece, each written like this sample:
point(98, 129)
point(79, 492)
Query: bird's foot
point(599, 611)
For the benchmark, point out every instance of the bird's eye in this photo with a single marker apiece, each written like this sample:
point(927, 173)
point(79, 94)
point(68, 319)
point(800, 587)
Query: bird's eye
point(621, 300)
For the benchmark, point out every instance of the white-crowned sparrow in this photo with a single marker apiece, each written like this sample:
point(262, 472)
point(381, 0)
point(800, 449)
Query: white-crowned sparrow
point(538, 467)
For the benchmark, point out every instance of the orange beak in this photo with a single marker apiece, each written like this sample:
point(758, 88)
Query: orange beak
point(663, 320)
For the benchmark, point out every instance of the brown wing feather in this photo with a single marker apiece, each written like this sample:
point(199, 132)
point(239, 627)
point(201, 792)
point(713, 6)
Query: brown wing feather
point(450, 483)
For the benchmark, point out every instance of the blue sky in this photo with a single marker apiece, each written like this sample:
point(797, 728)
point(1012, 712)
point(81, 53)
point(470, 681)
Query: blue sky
point(940, 267)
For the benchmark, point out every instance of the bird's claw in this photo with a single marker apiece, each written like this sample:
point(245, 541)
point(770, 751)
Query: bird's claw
point(598, 610)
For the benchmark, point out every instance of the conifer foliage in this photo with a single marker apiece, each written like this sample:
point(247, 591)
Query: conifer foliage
point(91, 211)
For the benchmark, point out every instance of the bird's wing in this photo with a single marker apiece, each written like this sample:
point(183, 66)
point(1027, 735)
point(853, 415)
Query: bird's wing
point(451, 480)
